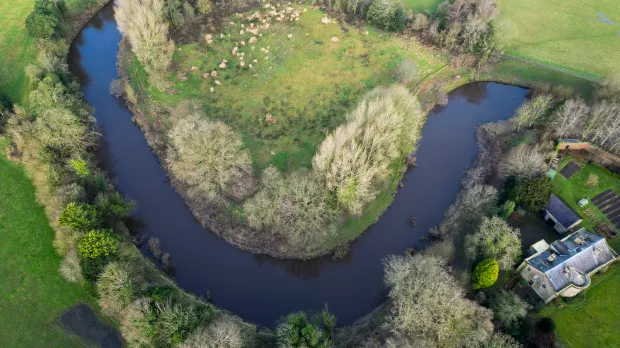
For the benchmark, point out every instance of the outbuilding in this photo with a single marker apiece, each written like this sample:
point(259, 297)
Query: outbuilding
point(563, 217)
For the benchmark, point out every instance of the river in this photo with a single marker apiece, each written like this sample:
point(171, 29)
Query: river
point(258, 288)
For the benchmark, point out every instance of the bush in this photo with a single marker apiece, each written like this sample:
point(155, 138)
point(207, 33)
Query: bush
point(387, 14)
point(494, 239)
point(424, 293)
point(70, 268)
point(136, 326)
point(507, 209)
point(176, 322)
point(406, 71)
point(298, 331)
point(294, 207)
point(209, 156)
point(116, 287)
point(357, 156)
point(534, 194)
point(98, 244)
point(80, 217)
point(508, 308)
point(485, 274)
point(524, 162)
point(222, 333)
point(546, 325)
point(112, 206)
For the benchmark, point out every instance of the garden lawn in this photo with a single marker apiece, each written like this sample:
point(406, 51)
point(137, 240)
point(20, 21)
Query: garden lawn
point(577, 187)
point(285, 105)
point(591, 318)
point(32, 293)
point(568, 34)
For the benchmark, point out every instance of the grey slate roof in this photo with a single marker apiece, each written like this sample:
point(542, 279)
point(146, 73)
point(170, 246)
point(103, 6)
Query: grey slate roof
point(561, 212)
point(582, 251)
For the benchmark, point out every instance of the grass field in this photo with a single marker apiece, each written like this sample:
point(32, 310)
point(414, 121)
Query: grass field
point(17, 49)
point(591, 318)
point(422, 5)
point(568, 34)
point(576, 187)
point(32, 292)
point(307, 84)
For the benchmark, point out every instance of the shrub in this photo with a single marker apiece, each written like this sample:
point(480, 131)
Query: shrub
point(176, 322)
point(70, 267)
point(116, 88)
point(357, 155)
point(297, 331)
point(116, 287)
point(485, 274)
point(424, 293)
point(209, 156)
point(494, 239)
point(506, 209)
point(204, 6)
point(80, 217)
point(81, 168)
point(406, 71)
point(534, 194)
point(136, 326)
point(222, 333)
point(387, 14)
point(524, 162)
point(112, 206)
point(508, 308)
point(294, 206)
point(420, 22)
point(546, 325)
point(98, 244)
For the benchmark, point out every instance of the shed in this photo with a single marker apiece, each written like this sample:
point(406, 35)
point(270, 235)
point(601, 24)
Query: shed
point(563, 217)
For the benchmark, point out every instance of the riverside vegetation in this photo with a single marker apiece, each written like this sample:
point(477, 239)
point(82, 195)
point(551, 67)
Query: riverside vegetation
point(54, 137)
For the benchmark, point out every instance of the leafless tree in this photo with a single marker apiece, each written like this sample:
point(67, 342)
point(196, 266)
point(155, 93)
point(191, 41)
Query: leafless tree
point(570, 118)
point(532, 111)
point(143, 23)
point(524, 161)
point(430, 304)
point(222, 333)
point(603, 128)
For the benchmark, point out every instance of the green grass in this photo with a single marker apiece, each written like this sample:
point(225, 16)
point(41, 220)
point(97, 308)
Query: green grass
point(309, 83)
point(422, 5)
point(591, 318)
point(577, 187)
point(33, 294)
point(566, 34)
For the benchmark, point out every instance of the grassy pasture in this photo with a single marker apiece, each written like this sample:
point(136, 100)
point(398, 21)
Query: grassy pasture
point(308, 84)
point(566, 34)
point(421, 5)
point(32, 294)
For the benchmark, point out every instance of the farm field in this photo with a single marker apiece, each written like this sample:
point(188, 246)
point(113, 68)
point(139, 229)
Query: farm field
point(297, 90)
point(581, 36)
point(590, 319)
point(33, 293)
point(586, 183)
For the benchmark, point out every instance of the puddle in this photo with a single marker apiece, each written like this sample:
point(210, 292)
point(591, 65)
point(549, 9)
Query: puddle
point(605, 20)
point(81, 321)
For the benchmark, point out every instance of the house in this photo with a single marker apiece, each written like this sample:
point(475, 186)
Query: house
point(565, 267)
point(563, 217)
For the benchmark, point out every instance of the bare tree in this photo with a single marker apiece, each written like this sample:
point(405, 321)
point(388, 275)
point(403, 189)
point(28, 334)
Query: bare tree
point(570, 118)
point(430, 305)
point(494, 239)
point(209, 156)
point(222, 333)
point(523, 161)
point(532, 111)
point(385, 127)
point(501, 340)
point(143, 23)
point(603, 127)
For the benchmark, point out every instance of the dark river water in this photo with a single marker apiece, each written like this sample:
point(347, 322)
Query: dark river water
point(261, 289)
